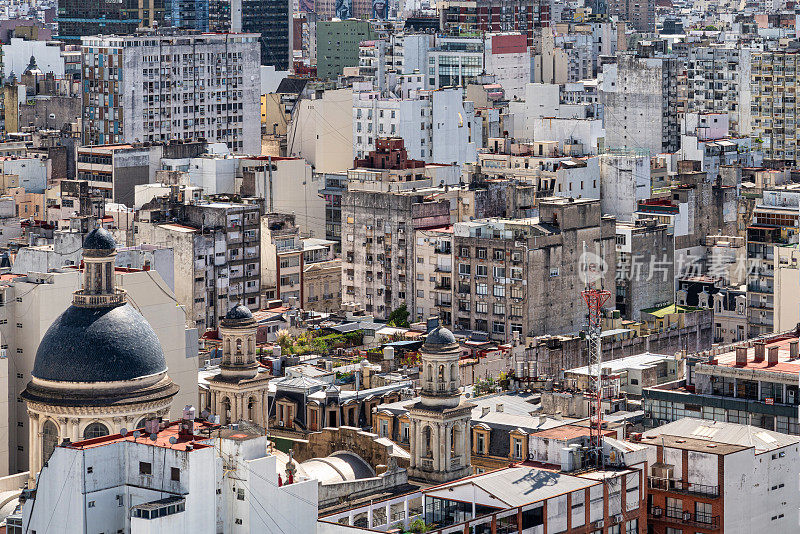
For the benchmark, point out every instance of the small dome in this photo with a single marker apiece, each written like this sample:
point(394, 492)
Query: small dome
point(99, 345)
point(440, 336)
point(99, 239)
point(240, 312)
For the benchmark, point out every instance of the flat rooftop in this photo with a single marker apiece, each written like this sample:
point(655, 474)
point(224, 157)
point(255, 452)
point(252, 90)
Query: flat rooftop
point(162, 438)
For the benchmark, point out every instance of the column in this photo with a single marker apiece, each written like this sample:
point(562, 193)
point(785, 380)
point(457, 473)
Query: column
point(369, 516)
point(33, 440)
point(388, 514)
point(412, 442)
point(466, 447)
point(437, 446)
point(76, 426)
point(448, 443)
point(405, 511)
point(62, 429)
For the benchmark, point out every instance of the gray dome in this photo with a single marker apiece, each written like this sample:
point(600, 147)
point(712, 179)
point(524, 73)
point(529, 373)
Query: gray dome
point(440, 336)
point(99, 239)
point(99, 345)
point(238, 313)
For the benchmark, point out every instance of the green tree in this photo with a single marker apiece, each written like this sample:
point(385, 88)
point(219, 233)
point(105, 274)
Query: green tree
point(399, 317)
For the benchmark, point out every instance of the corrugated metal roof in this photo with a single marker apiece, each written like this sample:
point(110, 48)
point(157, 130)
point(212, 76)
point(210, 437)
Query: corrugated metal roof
point(727, 433)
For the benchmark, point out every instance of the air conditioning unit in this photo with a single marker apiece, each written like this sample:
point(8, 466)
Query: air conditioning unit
point(656, 511)
point(598, 524)
point(687, 516)
point(618, 518)
point(280, 423)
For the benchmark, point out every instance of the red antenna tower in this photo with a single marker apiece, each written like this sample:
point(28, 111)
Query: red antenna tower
point(594, 299)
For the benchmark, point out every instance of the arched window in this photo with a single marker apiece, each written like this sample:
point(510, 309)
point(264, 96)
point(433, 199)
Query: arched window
point(95, 430)
point(430, 373)
point(426, 436)
point(453, 373)
point(49, 439)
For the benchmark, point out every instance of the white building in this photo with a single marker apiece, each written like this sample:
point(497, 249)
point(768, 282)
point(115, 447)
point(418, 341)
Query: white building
point(436, 126)
point(507, 58)
point(162, 87)
point(179, 482)
point(624, 180)
point(321, 131)
point(18, 52)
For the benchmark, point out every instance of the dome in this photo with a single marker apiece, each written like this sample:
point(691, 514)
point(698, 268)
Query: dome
point(107, 344)
point(440, 336)
point(99, 239)
point(239, 312)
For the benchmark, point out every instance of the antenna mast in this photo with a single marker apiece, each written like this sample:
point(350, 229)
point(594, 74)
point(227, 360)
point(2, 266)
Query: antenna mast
point(594, 299)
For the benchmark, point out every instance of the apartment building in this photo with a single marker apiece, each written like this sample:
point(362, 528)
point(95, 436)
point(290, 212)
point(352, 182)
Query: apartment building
point(113, 171)
point(271, 21)
point(217, 248)
point(718, 79)
point(436, 126)
point(640, 95)
point(522, 275)
point(772, 227)
point(645, 267)
point(160, 87)
point(640, 14)
point(750, 382)
point(479, 16)
point(773, 110)
point(338, 45)
point(714, 476)
point(378, 232)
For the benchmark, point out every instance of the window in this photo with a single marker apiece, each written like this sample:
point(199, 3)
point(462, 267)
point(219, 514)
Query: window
point(498, 254)
point(145, 468)
point(499, 272)
point(481, 289)
point(516, 292)
point(499, 308)
point(175, 474)
point(464, 269)
point(404, 432)
point(499, 291)
point(498, 328)
point(240, 494)
point(614, 529)
point(481, 270)
point(480, 253)
point(702, 512)
point(91, 504)
point(517, 448)
point(481, 307)
point(480, 444)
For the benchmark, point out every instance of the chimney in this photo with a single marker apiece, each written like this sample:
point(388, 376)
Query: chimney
point(760, 351)
point(793, 349)
point(484, 411)
point(499, 407)
point(772, 355)
point(741, 356)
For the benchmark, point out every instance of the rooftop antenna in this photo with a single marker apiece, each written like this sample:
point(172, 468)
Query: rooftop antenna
point(592, 268)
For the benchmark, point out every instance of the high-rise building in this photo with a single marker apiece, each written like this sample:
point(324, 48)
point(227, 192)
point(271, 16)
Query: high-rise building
point(525, 16)
point(773, 110)
point(338, 45)
point(640, 13)
point(718, 79)
point(271, 20)
point(162, 87)
point(78, 18)
point(641, 95)
point(187, 14)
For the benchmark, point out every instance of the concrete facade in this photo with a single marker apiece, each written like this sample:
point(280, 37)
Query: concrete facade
point(163, 87)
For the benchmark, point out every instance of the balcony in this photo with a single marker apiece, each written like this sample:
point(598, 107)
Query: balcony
point(683, 517)
point(679, 486)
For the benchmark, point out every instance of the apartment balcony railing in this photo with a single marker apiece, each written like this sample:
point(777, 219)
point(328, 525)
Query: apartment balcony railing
point(684, 517)
point(679, 486)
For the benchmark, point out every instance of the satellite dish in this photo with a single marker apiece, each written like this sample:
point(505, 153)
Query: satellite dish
point(123, 431)
point(153, 436)
point(136, 434)
point(466, 395)
point(173, 440)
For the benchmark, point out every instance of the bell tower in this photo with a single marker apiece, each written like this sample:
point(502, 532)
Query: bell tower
point(439, 422)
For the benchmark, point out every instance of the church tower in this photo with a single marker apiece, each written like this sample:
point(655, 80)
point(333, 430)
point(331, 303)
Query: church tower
point(239, 391)
point(439, 430)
